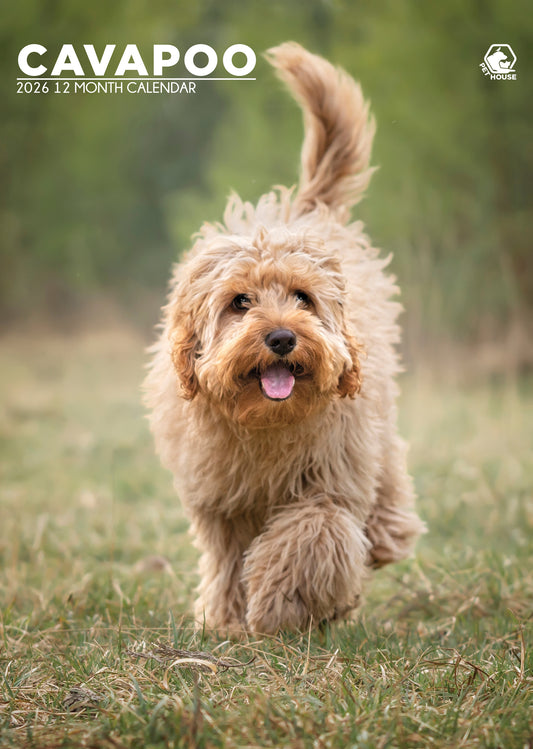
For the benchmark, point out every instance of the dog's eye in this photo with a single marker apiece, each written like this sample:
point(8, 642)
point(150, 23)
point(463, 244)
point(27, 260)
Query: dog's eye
point(302, 297)
point(241, 302)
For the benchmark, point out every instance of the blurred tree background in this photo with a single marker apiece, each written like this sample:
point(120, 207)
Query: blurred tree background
point(100, 193)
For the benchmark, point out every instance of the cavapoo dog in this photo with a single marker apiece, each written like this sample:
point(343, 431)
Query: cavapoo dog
point(271, 388)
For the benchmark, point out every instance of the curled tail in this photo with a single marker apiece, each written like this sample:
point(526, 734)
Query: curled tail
point(338, 128)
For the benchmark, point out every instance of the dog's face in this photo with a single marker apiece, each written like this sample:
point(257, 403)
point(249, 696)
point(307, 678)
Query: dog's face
point(257, 328)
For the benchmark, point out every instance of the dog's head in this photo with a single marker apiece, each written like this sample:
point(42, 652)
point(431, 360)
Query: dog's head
point(257, 327)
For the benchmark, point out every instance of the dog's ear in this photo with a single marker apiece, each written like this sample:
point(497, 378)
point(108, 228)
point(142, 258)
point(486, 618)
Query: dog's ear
point(185, 346)
point(350, 379)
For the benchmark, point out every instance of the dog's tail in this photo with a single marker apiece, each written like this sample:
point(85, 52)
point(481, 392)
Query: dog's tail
point(338, 128)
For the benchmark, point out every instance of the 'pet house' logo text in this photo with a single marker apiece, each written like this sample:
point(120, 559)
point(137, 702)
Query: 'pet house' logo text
point(165, 70)
point(499, 63)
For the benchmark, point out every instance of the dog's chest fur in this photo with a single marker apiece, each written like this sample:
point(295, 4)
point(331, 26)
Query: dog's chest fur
point(259, 470)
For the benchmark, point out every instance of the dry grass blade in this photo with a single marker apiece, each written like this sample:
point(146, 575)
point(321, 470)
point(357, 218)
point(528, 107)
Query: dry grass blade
point(80, 698)
point(198, 659)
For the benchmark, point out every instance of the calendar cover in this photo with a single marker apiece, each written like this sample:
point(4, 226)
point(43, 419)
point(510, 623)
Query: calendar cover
point(336, 551)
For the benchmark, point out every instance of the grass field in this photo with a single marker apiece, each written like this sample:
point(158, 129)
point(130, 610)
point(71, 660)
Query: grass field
point(98, 574)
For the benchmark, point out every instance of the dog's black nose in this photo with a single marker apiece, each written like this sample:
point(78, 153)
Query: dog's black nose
point(281, 341)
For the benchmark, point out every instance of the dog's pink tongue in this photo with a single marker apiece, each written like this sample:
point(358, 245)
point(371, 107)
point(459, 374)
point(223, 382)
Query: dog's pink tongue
point(277, 382)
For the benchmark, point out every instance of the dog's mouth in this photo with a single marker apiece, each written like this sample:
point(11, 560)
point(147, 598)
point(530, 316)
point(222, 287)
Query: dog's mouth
point(277, 380)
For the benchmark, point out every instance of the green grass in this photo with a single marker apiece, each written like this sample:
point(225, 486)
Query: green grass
point(441, 654)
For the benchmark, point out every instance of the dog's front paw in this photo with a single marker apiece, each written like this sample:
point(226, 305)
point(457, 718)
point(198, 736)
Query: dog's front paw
point(307, 566)
point(272, 610)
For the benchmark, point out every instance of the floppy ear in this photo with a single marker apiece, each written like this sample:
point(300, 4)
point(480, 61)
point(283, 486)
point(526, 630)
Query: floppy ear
point(350, 379)
point(184, 351)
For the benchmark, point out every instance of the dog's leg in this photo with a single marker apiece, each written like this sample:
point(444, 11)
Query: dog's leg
point(393, 525)
point(308, 564)
point(221, 600)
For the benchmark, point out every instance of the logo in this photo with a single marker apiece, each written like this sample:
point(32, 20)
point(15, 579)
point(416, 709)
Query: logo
point(499, 63)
